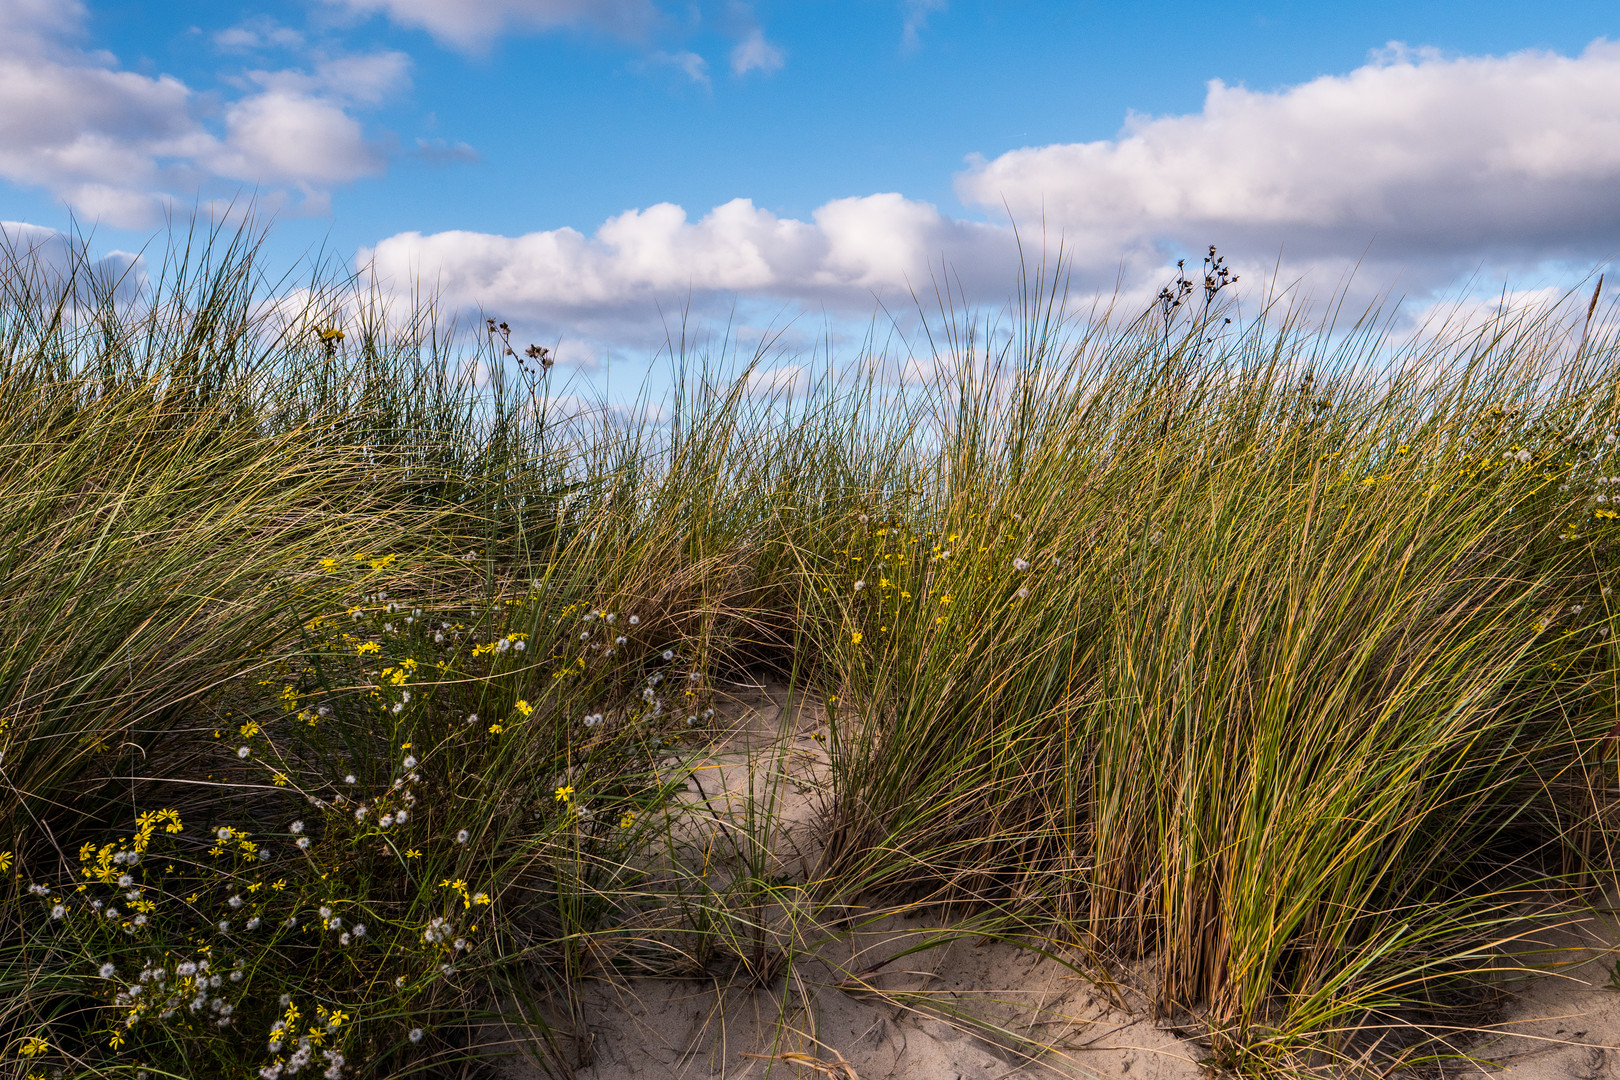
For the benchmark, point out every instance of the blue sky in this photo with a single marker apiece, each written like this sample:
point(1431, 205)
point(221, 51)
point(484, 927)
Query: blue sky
point(528, 155)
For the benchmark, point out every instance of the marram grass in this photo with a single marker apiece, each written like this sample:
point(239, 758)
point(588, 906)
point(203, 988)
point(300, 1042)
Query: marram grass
point(343, 697)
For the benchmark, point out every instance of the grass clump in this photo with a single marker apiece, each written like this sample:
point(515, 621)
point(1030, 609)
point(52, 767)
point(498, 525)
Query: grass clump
point(347, 697)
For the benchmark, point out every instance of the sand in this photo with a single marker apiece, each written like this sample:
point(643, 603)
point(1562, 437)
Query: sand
point(850, 1006)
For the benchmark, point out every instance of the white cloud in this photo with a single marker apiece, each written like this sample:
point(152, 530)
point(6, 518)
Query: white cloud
point(96, 137)
point(46, 260)
point(1430, 156)
point(754, 53)
point(280, 137)
point(473, 24)
point(853, 249)
point(113, 143)
point(1395, 179)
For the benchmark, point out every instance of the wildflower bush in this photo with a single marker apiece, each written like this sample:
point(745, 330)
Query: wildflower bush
point(347, 699)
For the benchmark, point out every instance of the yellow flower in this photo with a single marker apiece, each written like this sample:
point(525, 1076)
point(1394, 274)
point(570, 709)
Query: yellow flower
point(366, 648)
point(329, 564)
point(627, 819)
point(855, 638)
point(565, 793)
point(413, 854)
point(5, 860)
point(524, 707)
point(496, 729)
point(33, 1046)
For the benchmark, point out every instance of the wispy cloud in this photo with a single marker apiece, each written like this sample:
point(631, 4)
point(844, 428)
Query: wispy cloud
point(255, 34)
point(444, 152)
point(754, 53)
point(473, 25)
point(690, 64)
point(916, 13)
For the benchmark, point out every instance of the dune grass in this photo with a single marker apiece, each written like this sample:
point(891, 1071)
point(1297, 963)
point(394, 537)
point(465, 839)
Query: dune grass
point(344, 695)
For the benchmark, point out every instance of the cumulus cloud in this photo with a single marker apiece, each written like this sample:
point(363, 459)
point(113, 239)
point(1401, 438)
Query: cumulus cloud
point(48, 260)
point(72, 123)
point(474, 24)
point(113, 143)
point(280, 137)
point(852, 250)
point(1398, 178)
point(1423, 155)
